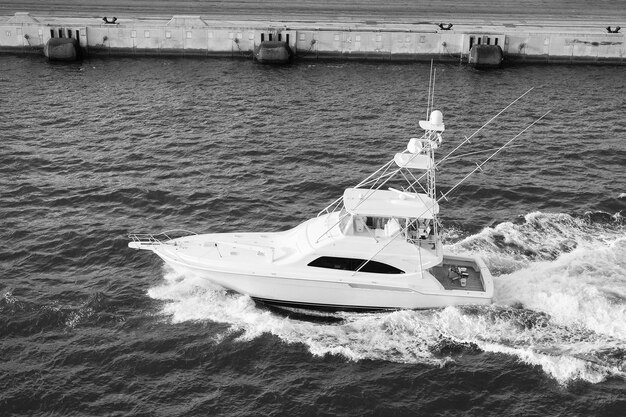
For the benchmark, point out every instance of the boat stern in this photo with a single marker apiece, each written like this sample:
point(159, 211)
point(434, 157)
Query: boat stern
point(467, 275)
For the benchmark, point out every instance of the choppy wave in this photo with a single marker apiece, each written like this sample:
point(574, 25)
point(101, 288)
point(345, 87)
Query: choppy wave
point(560, 304)
point(539, 236)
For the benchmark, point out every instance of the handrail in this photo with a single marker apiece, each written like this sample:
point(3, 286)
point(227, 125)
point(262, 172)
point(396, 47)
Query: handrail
point(156, 239)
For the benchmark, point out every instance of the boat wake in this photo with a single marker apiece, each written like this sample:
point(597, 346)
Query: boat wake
point(560, 303)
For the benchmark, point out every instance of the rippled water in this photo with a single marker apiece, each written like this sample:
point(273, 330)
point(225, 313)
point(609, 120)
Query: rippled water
point(94, 150)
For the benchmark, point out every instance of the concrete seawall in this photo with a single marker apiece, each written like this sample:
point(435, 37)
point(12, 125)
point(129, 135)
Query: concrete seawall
point(187, 35)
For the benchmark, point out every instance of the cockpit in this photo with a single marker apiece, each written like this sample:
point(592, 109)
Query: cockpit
point(410, 229)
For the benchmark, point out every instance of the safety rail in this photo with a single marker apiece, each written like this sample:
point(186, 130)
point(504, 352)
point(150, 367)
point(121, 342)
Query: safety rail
point(148, 239)
point(334, 206)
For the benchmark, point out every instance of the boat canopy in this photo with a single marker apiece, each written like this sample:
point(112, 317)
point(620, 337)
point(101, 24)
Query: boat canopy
point(383, 203)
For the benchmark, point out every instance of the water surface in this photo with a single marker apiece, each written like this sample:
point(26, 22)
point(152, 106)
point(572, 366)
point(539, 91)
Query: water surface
point(94, 150)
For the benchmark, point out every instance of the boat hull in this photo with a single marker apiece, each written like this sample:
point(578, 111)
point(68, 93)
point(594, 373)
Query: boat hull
point(333, 294)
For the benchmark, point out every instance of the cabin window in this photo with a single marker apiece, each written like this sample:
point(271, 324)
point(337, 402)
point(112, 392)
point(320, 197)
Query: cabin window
point(377, 222)
point(352, 264)
point(379, 226)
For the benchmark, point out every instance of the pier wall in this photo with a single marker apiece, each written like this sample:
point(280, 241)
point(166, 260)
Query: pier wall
point(194, 36)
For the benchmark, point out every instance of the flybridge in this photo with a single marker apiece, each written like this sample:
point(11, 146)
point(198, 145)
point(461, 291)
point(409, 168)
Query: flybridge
point(409, 213)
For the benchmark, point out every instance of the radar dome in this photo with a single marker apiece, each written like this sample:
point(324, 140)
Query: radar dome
point(435, 122)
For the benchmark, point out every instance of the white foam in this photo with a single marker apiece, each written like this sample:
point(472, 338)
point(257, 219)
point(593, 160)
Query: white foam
point(361, 336)
point(586, 286)
point(541, 236)
point(562, 368)
point(9, 298)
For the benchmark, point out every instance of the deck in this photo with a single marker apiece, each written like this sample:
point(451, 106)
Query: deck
point(449, 274)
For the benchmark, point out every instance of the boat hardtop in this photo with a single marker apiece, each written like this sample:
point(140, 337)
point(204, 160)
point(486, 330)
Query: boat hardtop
point(388, 203)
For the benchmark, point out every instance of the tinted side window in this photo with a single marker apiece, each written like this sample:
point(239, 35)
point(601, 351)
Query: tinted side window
point(352, 264)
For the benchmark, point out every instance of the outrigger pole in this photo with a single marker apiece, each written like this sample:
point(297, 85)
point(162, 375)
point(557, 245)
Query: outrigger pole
point(445, 196)
point(479, 167)
point(467, 139)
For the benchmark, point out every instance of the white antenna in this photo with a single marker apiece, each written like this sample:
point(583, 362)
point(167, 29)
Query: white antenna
point(430, 85)
point(432, 93)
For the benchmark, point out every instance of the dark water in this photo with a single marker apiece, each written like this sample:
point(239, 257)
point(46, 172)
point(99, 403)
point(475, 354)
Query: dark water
point(92, 151)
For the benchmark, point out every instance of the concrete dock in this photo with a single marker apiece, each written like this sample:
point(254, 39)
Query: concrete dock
point(559, 31)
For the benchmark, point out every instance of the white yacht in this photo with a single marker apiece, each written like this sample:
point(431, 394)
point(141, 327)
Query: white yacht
point(376, 247)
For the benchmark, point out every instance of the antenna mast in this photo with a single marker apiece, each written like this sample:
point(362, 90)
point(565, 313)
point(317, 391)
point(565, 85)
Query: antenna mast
point(430, 86)
point(432, 93)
